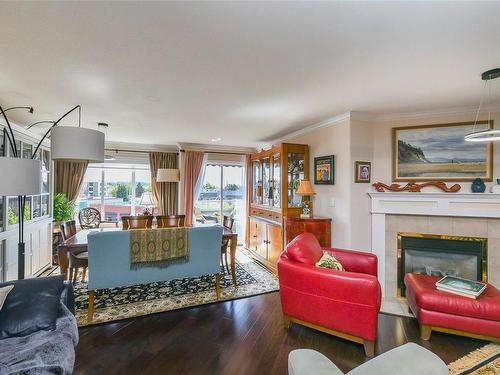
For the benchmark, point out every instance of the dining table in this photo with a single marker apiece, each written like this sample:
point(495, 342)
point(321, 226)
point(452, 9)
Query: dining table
point(79, 243)
point(76, 243)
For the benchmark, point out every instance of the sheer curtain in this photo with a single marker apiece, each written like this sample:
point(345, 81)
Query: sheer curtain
point(192, 180)
point(201, 178)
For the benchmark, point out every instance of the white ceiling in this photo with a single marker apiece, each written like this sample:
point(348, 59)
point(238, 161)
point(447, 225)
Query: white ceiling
point(245, 72)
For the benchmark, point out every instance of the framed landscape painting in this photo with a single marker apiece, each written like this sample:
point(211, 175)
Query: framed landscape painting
point(439, 152)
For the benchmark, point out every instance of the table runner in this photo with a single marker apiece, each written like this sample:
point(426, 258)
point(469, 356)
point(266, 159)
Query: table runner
point(158, 247)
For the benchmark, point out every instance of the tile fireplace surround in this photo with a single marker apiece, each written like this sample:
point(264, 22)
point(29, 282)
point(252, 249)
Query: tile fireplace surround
point(476, 215)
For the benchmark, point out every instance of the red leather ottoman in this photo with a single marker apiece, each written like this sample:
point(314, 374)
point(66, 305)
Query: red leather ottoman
point(450, 313)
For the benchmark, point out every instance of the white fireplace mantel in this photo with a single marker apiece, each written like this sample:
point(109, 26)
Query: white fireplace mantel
point(437, 204)
point(484, 205)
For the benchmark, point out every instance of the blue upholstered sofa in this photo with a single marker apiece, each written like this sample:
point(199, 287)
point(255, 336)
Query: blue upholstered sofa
point(109, 261)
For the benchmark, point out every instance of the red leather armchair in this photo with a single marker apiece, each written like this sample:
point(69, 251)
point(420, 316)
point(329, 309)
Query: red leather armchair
point(341, 303)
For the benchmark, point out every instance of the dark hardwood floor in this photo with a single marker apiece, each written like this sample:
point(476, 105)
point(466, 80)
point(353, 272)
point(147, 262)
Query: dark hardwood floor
point(244, 336)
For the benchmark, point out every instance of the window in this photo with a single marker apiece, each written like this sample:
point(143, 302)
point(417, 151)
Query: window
point(2, 261)
point(222, 193)
point(37, 206)
point(114, 189)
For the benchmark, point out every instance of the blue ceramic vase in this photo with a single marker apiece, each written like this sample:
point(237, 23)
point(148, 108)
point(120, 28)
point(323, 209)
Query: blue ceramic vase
point(478, 186)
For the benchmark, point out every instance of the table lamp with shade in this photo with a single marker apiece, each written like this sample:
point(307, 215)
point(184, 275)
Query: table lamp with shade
point(306, 189)
point(147, 202)
point(21, 177)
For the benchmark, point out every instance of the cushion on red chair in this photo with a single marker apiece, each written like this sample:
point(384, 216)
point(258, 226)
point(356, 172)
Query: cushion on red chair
point(304, 248)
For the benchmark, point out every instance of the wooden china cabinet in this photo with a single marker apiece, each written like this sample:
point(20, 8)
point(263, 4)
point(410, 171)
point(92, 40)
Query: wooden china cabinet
point(276, 174)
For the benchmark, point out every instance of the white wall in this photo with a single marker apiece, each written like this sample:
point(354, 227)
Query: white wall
point(332, 200)
point(361, 140)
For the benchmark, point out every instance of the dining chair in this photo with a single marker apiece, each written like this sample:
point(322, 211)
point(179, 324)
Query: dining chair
point(90, 218)
point(68, 229)
point(223, 254)
point(137, 222)
point(227, 222)
point(78, 259)
point(169, 221)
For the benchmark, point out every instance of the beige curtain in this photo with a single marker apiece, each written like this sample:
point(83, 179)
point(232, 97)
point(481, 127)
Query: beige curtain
point(192, 165)
point(68, 176)
point(248, 197)
point(165, 194)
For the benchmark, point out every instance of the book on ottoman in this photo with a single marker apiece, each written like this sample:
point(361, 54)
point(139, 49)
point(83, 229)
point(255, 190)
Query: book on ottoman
point(460, 286)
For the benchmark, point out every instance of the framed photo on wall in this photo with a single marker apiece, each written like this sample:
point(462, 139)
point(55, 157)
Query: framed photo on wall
point(362, 171)
point(439, 152)
point(324, 170)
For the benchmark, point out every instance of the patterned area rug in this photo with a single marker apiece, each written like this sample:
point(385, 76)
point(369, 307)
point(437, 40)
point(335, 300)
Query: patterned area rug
point(122, 303)
point(483, 361)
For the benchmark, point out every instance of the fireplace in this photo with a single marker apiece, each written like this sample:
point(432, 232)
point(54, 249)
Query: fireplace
point(440, 255)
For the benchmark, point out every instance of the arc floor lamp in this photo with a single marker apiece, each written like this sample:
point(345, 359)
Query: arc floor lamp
point(21, 177)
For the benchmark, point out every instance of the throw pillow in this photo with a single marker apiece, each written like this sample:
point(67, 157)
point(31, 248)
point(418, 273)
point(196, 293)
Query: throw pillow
point(304, 248)
point(329, 261)
point(3, 294)
point(33, 305)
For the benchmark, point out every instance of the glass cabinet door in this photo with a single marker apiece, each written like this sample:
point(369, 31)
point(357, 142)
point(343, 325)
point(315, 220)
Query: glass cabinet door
point(295, 174)
point(277, 180)
point(266, 181)
point(256, 182)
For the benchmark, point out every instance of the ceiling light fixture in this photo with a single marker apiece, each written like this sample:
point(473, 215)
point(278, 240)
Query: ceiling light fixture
point(216, 139)
point(485, 135)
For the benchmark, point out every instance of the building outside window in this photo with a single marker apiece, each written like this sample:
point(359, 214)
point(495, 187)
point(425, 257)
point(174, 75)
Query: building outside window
point(114, 189)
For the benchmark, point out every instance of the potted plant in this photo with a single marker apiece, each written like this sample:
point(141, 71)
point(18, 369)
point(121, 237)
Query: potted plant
point(63, 208)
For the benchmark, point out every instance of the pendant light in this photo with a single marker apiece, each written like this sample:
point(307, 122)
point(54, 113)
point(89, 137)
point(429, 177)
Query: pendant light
point(485, 135)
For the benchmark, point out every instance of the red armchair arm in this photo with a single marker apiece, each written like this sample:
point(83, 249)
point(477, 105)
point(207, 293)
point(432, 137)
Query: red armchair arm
point(355, 261)
point(350, 287)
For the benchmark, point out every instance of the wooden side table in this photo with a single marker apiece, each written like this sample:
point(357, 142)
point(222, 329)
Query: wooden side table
point(321, 227)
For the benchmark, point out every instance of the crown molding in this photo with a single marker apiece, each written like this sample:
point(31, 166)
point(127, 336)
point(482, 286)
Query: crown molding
point(318, 125)
point(215, 148)
point(451, 111)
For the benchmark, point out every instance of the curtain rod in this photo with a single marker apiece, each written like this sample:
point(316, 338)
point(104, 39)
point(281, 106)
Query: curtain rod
point(220, 152)
point(138, 151)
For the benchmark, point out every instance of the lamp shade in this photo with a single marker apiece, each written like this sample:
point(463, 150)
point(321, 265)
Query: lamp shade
point(75, 143)
point(146, 199)
point(168, 175)
point(20, 176)
point(305, 188)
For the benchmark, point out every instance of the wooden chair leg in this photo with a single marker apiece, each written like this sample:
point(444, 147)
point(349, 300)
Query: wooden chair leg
point(425, 332)
point(83, 274)
point(227, 264)
point(70, 277)
point(90, 310)
point(286, 321)
point(217, 285)
point(369, 348)
point(74, 275)
point(222, 261)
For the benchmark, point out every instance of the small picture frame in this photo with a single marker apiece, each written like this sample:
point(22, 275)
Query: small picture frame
point(362, 171)
point(324, 170)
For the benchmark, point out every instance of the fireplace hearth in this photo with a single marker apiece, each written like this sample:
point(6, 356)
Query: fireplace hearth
point(440, 255)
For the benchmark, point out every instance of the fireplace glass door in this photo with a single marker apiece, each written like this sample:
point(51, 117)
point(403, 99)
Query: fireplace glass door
point(439, 256)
